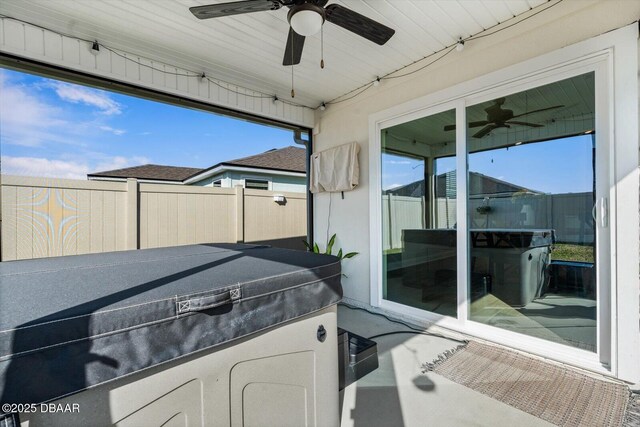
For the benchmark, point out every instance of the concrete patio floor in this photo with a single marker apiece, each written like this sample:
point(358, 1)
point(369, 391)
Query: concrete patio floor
point(399, 394)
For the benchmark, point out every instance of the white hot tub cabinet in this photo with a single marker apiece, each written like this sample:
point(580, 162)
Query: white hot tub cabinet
point(281, 377)
point(201, 335)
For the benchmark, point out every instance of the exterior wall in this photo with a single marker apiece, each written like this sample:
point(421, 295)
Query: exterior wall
point(45, 46)
point(569, 22)
point(208, 182)
point(55, 217)
point(276, 182)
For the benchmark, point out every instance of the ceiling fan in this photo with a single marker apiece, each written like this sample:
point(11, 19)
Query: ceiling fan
point(305, 17)
point(498, 117)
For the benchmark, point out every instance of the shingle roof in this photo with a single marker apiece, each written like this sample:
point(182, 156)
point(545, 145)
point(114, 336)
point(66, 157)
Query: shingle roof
point(288, 158)
point(292, 159)
point(154, 172)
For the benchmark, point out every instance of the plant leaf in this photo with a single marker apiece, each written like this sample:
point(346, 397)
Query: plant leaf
point(316, 248)
point(350, 255)
point(308, 246)
point(340, 253)
point(330, 245)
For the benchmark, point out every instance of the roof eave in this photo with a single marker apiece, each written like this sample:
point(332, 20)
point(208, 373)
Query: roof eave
point(223, 167)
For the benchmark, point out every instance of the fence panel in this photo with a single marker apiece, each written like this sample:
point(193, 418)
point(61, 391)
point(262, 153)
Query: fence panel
point(172, 215)
point(53, 217)
point(281, 224)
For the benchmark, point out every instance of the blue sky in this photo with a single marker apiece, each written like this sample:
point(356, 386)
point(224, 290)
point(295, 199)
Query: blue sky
point(56, 129)
point(556, 166)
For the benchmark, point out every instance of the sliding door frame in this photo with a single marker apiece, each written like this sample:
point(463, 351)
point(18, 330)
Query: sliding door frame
point(613, 58)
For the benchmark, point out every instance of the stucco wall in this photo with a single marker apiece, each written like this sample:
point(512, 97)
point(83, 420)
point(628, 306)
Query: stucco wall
point(568, 23)
point(277, 183)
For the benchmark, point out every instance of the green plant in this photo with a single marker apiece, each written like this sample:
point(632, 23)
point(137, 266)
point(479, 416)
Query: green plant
point(329, 250)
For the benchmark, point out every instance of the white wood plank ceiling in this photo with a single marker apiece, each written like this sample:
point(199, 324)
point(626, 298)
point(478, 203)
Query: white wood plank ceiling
point(247, 49)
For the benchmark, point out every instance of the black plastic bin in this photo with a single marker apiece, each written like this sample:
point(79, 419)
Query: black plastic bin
point(357, 356)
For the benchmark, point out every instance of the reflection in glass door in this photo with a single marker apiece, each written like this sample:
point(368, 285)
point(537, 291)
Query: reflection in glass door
point(419, 214)
point(532, 191)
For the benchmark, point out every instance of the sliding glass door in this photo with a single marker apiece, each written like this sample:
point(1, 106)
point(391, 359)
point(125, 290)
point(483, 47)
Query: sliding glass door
point(419, 214)
point(532, 190)
point(530, 210)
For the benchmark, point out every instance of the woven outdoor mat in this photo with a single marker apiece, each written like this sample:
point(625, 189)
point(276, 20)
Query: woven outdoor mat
point(553, 393)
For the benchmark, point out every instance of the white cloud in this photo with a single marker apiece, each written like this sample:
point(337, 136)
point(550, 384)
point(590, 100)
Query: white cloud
point(40, 167)
point(24, 118)
point(112, 130)
point(88, 96)
point(29, 119)
point(70, 169)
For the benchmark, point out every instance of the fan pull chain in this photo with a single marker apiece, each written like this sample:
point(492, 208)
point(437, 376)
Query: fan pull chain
point(322, 47)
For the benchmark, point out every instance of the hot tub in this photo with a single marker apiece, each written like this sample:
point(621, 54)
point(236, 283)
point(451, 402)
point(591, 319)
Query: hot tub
point(191, 335)
point(517, 261)
point(510, 264)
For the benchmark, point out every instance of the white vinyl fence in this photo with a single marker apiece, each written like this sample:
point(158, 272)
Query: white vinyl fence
point(53, 217)
point(568, 214)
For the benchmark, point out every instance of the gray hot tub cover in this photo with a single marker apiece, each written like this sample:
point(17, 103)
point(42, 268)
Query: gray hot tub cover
point(70, 323)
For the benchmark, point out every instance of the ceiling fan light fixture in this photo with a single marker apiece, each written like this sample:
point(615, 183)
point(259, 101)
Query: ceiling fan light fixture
point(306, 19)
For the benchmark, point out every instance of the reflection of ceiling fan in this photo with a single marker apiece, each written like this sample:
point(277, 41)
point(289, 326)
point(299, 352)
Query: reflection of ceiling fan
point(306, 18)
point(497, 117)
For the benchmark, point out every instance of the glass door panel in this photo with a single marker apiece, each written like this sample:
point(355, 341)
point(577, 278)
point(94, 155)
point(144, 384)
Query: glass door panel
point(419, 214)
point(531, 194)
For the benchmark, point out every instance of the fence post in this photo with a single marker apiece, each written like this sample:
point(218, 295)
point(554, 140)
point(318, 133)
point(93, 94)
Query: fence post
point(239, 213)
point(132, 213)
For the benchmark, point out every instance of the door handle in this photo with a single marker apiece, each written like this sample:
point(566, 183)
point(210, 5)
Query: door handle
point(593, 212)
point(604, 212)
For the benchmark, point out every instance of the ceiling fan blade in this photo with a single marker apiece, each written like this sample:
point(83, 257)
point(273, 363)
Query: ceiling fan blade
point(233, 8)
point(537, 111)
point(358, 24)
point(533, 125)
point(485, 130)
point(478, 124)
point(293, 51)
point(450, 127)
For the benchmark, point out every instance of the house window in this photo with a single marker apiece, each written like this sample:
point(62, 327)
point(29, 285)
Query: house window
point(217, 183)
point(257, 184)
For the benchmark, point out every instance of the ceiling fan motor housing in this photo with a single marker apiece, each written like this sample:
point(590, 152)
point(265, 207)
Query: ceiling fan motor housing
point(303, 18)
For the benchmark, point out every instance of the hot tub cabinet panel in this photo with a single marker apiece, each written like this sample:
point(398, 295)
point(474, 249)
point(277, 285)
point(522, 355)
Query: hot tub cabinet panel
point(281, 377)
point(236, 335)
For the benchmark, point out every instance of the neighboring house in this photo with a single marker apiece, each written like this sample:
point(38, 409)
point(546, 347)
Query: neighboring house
point(282, 169)
point(480, 185)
